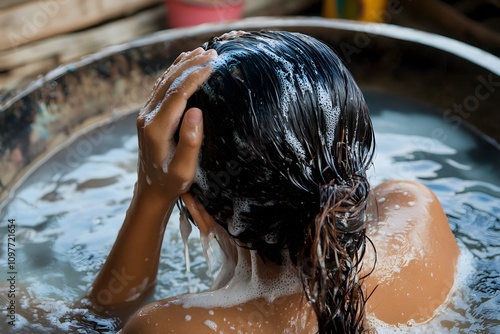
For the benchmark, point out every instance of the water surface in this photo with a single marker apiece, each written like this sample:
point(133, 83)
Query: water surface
point(68, 213)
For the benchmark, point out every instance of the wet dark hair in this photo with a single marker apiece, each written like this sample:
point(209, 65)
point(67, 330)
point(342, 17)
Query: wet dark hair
point(288, 140)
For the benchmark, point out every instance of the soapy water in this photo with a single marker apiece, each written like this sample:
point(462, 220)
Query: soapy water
point(69, 211)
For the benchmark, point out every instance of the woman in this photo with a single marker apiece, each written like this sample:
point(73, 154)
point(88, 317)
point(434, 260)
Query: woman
point(271, 158)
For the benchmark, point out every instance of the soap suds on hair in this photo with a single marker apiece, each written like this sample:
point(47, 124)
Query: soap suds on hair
point(237, 226)
point(242, 144)
point(331, 113)
point(201, 178)
point(295, 144)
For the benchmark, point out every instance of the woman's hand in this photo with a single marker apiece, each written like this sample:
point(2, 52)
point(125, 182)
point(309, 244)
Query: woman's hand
point(166, 170)
point(164, 166)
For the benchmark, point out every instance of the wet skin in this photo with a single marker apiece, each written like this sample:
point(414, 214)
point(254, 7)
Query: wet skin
point(410, 220)
point(416, 254)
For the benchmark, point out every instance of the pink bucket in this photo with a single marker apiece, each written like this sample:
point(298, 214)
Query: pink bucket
point(183, 13)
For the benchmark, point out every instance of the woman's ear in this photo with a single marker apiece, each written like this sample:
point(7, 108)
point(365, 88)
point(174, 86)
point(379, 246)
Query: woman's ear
point(203, 220)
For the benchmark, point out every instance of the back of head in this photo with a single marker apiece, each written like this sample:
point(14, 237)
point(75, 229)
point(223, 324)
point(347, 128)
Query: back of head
point(288, 140)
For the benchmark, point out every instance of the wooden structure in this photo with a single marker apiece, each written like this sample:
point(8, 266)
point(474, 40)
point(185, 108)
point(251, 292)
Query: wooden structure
point(38, 35)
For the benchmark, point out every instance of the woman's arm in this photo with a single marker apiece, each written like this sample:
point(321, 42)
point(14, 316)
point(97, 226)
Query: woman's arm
point(165, 171)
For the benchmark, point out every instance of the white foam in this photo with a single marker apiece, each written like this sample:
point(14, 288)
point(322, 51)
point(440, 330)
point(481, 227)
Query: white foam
point(271, 238)
point(295, 144)
point(285, 76)
point(246, 285)
point(221, 60)
point(210, 324)
point(242, 144)
point(181, 78)
point(201, 178)
point(152, 114)
point(303, 81)
point(168, 160)
point(331, 113)
point(288, 80)
point(236, 226)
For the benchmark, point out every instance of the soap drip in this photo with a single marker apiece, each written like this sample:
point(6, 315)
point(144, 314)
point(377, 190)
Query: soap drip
point(213, 254)
point(186, 228)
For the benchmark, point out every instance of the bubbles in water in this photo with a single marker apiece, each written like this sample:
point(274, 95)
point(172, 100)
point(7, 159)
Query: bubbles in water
point(63, 232)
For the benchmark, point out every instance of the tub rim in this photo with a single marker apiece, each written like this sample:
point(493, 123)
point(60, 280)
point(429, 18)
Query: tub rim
point(460, 49)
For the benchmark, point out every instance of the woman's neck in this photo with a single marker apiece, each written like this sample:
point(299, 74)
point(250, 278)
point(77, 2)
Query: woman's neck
point(263, 279)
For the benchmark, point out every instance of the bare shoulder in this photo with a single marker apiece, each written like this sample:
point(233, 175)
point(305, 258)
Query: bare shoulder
point(415, 250)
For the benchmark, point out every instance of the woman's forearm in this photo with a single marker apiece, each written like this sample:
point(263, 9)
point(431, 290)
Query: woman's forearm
point(132, 264)
point(166, 169)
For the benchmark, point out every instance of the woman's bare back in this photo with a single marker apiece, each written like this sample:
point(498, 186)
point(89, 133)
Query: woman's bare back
point(416, 254)
point(416, 259)
point(287, 314)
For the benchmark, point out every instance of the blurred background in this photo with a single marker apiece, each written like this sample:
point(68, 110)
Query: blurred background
point(68, 145)
point(38, 35)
